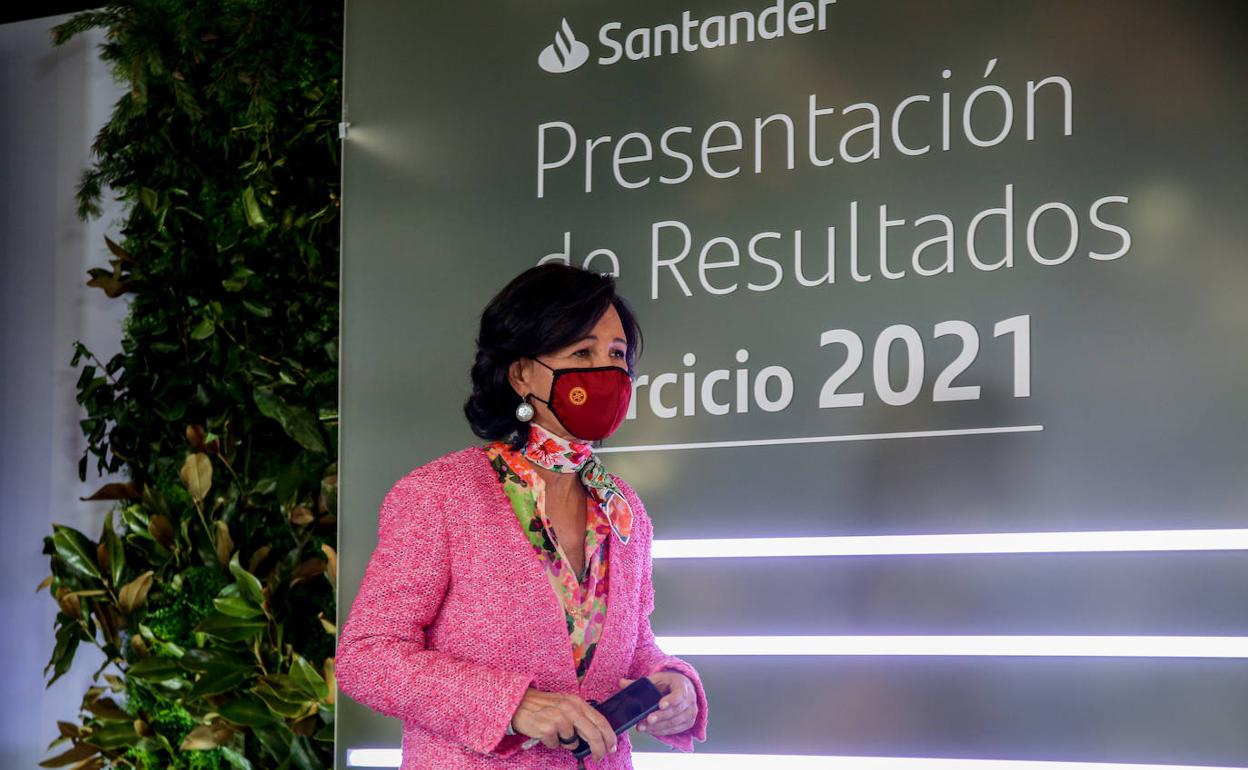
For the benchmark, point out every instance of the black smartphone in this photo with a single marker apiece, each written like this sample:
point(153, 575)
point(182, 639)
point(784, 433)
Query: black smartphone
point(624, 709)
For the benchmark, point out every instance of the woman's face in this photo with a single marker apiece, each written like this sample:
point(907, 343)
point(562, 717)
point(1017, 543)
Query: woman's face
point(605, 345)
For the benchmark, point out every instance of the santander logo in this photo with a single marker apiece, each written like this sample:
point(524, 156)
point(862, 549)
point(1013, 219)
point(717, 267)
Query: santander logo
point(565, 54)
point(686, 35)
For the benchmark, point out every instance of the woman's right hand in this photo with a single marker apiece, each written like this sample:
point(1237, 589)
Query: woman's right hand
point(548, 716)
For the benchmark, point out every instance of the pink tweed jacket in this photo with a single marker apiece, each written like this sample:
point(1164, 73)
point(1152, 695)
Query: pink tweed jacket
point(455, 619)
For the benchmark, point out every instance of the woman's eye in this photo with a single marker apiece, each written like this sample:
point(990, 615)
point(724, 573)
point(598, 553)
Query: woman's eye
point(619, 353)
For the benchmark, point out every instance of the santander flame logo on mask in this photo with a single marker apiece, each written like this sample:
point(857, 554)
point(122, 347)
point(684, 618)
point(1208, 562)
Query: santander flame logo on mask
point(590, 402)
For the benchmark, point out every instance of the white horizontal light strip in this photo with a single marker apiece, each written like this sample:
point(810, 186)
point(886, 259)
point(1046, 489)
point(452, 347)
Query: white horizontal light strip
point(662, 761)
point(819, 439)
point(694, 761)
point(1005, 542)
point(1034, 646)
point(374, 757)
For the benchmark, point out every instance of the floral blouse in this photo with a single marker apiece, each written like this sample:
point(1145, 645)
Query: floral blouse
point(584, 596)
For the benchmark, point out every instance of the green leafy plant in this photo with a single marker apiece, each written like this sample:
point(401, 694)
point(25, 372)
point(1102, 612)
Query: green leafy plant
point(210, 589)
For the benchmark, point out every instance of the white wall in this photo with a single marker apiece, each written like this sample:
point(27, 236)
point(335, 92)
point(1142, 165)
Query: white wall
point(52, 102)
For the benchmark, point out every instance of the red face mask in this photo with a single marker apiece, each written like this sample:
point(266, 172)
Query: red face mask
point(590, 402)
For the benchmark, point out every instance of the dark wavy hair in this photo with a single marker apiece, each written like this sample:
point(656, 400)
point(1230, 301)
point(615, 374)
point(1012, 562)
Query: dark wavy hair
point(545, 308)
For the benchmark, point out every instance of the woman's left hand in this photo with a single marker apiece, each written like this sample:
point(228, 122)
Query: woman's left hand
point(677, 709)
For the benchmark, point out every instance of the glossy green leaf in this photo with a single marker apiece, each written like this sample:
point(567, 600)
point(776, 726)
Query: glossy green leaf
point(149, 199)
point(275, 741)
point(115, 550)
point(299, 423)
point(263, 311)
point(276, 701)
point(302, 756)
point(155, 669)
point(252, 208)
point(237, 607)
point(112, 734)
point(230, 628)
point(238, 279)
point(219, 680)
point(75, 551)
point(307, 678)
point(200, 660)
point(203, 329)
point(249, 711)
point(68, 635)
point(248, 583)
point(235, 759)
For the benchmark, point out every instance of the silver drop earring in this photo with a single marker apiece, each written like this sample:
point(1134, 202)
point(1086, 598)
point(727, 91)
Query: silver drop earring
point(524, 411)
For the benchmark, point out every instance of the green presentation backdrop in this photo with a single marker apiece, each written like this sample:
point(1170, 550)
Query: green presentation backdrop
point(990, 256)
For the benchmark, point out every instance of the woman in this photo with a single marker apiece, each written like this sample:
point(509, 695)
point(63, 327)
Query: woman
point(511, 580)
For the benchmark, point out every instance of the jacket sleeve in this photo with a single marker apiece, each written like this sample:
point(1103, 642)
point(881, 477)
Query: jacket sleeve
point(647, 657)
point(382, 660)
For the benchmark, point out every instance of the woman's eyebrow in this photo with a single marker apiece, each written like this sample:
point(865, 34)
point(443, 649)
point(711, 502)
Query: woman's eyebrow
point(595, 338)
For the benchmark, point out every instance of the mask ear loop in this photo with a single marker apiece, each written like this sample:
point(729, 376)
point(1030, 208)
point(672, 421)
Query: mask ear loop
point(552, 384)
point(539, 398)
point(553, 381)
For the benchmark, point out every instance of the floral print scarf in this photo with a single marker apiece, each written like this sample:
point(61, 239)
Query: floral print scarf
point(584, 596)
